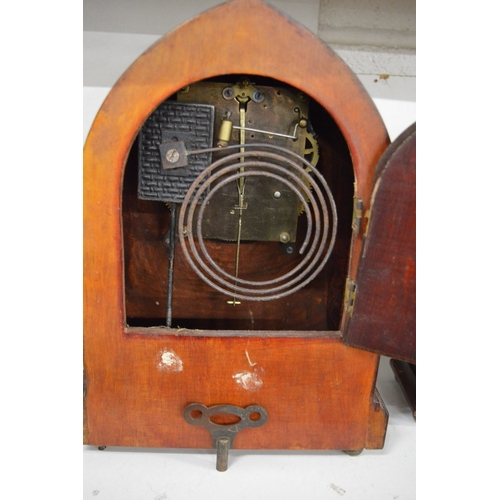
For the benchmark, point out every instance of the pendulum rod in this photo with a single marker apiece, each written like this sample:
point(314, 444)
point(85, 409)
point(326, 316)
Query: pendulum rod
point(241, 188)
point(171, 255)
point(241, 194)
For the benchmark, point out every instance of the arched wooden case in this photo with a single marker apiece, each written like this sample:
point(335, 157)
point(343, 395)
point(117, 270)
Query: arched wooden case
point(287, 356)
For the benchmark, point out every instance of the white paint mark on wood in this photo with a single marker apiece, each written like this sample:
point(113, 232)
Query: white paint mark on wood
point(248, 357)
point(169, 361)
point(249, 381)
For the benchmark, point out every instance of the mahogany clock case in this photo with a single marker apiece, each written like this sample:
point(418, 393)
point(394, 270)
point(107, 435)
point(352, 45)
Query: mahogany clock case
point(287, 355)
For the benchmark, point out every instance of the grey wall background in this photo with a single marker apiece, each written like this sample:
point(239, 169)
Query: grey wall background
point(376, 38)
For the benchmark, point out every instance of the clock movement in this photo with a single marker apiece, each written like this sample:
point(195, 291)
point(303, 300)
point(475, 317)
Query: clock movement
point(227, 181)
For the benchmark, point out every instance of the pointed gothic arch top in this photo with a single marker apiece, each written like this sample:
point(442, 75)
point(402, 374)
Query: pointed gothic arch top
point(242, 37)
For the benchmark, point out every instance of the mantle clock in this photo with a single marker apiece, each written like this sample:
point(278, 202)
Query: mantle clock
point(228, 180)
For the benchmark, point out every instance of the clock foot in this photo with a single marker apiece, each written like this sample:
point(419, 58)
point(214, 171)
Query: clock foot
point(353, 453)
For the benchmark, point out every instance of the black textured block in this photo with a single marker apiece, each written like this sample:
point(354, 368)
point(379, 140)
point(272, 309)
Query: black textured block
point(171, 122)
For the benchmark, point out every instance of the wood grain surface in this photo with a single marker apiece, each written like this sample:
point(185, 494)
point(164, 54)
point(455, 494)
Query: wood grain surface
point(384, 316)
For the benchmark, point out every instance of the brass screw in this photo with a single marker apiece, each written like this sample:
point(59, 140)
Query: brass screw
point(284, 237)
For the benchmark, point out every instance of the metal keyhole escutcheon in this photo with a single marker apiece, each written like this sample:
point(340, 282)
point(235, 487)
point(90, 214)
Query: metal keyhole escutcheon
point(223, 434)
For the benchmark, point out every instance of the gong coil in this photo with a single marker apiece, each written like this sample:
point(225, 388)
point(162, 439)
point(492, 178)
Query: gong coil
point(272, 162)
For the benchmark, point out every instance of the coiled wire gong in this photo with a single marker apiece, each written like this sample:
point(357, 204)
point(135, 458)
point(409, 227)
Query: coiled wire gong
point(288, 168)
